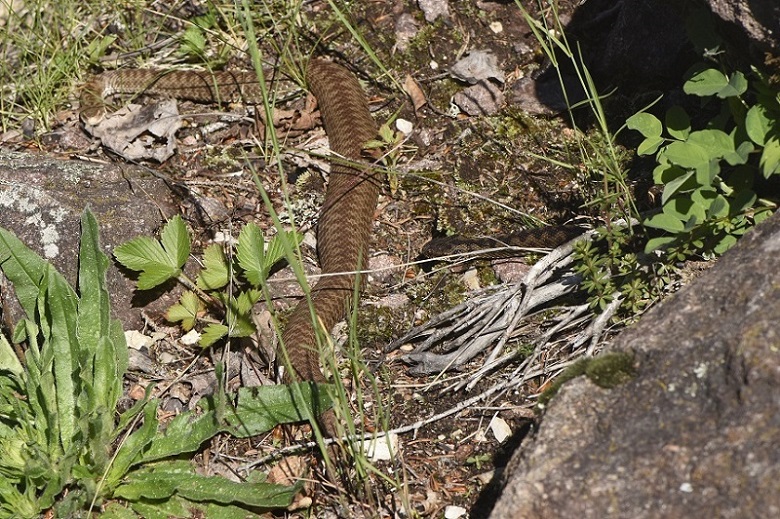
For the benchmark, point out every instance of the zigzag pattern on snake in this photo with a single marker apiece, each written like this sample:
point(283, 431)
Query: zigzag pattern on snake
point(350, 200)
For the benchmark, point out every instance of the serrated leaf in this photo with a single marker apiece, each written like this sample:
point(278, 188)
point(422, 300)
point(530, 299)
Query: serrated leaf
point(665, 222)
point(678, 124)
point(215, 272)
point(758, 124)
point(275, 251)
point(706, 83)
point(176, 241)
point(212, 333)
point(250, 253)
point(646, 124)
point(185, 311)
point(142, 253)
point(246, 300)
point(156, 276)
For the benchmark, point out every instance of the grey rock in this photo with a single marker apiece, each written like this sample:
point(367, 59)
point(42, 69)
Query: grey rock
point(41, 201)
point(759, 20)
point(484, 98)
point(695, 434)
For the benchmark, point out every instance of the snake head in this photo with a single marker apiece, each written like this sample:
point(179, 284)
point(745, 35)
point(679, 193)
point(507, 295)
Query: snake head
point(92, 104)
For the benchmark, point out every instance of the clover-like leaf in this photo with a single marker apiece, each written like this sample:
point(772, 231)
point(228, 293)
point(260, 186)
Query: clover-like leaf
point(185, 311)
point(157, 261)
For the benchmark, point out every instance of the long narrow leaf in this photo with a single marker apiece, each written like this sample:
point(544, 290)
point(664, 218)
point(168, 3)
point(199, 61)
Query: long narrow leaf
point(62, 306)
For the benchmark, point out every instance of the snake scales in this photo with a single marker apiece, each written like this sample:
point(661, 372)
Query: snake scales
point(350, 201)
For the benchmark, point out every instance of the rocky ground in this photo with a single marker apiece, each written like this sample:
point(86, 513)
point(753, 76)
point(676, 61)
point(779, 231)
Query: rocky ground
point(485, 155)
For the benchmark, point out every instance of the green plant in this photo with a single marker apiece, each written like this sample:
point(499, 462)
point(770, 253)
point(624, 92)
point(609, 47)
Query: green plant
point(218, 284)
point(63, 445)
point(708, 174)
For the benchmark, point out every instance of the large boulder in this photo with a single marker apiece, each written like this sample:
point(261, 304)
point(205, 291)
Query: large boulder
point(41, 200)
point(696, 433)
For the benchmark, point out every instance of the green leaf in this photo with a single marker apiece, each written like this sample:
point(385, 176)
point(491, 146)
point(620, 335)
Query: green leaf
point(257, 260)
point(259, 409)
point(142, 253)
point(60, 303)
point(159, 483)
point(212, 333)
point(673, 186)
point(715, 143)
point(758, 124)
point(744, 200)
point(131, 450)
point(704, 197)
point(186, 310)
point(146, 255)
point(770, 157)
point(176, 241)
point(275, 251)
point(659, 243)
point(646, 124)
point(719, 208)
point(117, 511)
point(725, 243)
point(707, 172)
point(185, 434)
point(8, 359)
point(740, 155)
point(683, 209)
point(173, 507)
point(157, 261)
point(686, 154)
point(250, 254)
point(105, 352)
point(649, 146)
point(24, 269)
point(706, 83)
point(665, 222)
point(736, 87)
point(678, 124)
point(215, 274)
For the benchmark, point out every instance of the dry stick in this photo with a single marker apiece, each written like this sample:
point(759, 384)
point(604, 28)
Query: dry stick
point(489, 317)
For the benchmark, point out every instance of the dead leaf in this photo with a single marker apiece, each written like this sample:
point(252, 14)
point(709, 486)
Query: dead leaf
point(415, 93)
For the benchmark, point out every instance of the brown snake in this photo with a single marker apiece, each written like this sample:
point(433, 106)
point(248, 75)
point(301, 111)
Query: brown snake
point(350, 200)
point(347, 214)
